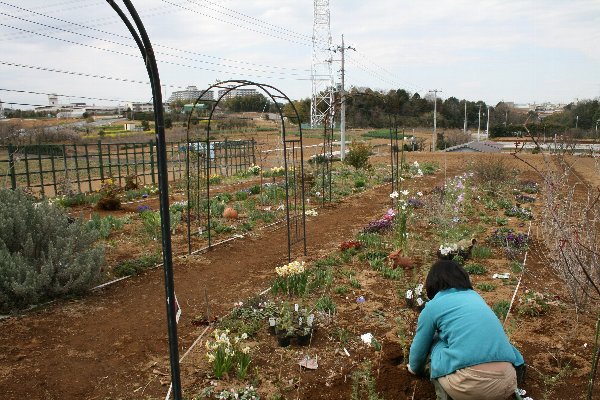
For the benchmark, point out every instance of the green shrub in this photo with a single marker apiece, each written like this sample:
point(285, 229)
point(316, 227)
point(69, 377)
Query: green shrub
point(42, 254)
point(360, 183)
point(136, 265)
point(326, 305)
point(358, 156)
point(341, 290)
point(151, 222)
point(429, 167)
point(104, 226)
point(255, 189)
point(475, 269)
point(500, 308)
point(241, 196)
point(481, 252)
point(486, 287)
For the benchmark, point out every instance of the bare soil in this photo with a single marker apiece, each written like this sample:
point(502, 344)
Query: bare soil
point(112, 343)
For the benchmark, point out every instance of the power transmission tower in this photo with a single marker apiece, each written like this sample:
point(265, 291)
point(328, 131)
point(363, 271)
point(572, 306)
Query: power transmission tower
point(321, 105)
point(435, 92)
point(342, 49)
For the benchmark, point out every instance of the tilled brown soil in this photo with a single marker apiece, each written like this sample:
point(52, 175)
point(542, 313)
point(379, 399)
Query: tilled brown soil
point(112, 344)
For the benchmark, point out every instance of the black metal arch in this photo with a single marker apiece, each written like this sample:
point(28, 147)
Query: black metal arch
point(295, 201)
point(138, 32)
point(396, 151)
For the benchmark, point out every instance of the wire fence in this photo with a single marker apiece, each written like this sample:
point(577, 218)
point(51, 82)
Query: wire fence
point(46, 167)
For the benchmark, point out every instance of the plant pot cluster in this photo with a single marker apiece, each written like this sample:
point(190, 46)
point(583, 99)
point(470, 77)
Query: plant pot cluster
point(415, 298)
point(292, 324)
point(460, 249)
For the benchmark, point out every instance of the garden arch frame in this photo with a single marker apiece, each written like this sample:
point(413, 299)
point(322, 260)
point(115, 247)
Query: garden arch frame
point(396, 151)
point(293, 158)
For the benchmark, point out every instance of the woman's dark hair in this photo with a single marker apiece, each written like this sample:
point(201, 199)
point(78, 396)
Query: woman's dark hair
point(446, 274)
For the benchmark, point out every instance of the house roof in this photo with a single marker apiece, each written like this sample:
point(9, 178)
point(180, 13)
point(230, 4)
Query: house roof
point(478, 147)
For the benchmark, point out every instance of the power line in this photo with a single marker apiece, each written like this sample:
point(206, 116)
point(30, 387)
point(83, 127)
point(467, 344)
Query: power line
point(392, 76)
point(371, 72)
point(239, 26)
point(123, 44)
point(48, 69)
point(22, 104)
point(63, 95)
point(277, 28)
point(128, 38)
point(137, 56)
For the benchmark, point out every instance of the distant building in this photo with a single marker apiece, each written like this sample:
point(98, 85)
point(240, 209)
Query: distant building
point(236, 93)
point(140, 107)
point(75, 110)
point(190, 93)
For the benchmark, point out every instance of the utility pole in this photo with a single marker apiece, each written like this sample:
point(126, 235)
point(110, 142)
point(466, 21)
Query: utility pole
point(487, 128)
point(465, 128)
point(576, 122)
point(435, 92)
point(342, 49)
point(479, 123)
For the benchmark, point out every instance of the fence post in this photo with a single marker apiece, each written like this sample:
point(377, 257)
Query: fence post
point(253, 153)
point(151, 144)
point(11, 166)
point(100, 159)
point(226, 158)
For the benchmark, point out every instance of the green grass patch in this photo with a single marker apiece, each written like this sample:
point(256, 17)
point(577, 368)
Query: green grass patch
point(481, 252)
point(475, 269)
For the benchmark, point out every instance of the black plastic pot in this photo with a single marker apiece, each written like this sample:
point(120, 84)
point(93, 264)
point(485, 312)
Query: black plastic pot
point(283, 341)
point(304, 340)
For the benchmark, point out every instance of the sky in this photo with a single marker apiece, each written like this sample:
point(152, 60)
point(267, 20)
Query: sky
point(523, 51)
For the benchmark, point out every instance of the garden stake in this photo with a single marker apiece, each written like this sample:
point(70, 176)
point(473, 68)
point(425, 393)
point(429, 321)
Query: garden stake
point(207, 306)
point(594, 361)
point(518, 283)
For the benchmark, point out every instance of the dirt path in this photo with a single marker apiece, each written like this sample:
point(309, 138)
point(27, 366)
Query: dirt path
point(113, 343)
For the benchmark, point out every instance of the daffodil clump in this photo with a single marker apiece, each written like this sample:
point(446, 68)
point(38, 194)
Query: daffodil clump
point(291, 278)
point(254, 169)
point(225, 353)
point(275, 171)
point(293, 268)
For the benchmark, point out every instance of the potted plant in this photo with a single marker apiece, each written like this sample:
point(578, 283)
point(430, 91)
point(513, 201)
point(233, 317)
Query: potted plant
point(462, 248)
point(305, 327)
point(284, 328)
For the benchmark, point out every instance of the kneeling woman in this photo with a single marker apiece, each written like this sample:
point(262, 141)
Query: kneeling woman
point(471, 357)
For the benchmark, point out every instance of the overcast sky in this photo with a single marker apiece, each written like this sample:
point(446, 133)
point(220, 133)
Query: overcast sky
point(492, 50)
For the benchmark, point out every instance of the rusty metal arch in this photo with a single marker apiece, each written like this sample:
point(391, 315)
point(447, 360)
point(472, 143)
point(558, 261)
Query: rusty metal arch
point(295, 201)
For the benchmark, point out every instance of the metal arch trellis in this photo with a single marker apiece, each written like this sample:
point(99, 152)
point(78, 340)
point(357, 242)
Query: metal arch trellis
point(293, 157)
point(138, 32)
point(396, 154)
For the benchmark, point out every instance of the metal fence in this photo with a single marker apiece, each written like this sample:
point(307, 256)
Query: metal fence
point(48, 166)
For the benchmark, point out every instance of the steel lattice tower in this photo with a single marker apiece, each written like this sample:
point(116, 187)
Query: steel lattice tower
point(321, 104)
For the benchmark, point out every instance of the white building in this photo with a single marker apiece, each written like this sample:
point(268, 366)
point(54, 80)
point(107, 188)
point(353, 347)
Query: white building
point(236, 93)
point(190, 93)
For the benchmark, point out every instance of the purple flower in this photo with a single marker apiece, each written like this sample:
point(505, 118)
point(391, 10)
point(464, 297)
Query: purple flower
point(141, 209)
point(415, 203)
